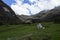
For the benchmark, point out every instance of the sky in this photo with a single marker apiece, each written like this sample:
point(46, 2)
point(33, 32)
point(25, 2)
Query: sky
point(31, 7)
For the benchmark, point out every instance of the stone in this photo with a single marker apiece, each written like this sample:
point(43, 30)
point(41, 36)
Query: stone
point(39, 26)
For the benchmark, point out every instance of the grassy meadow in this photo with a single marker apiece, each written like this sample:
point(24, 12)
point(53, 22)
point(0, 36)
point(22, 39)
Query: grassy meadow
point(23, 31)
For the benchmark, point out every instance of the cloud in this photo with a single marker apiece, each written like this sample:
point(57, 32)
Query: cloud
point(20, 10)
point(35, 7)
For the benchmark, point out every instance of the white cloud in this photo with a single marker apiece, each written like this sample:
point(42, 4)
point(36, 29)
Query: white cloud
point(20, 8)
point(56, 2)
point(32, 0)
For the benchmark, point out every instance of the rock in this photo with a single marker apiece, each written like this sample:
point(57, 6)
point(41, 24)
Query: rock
point(43, 27)
point(39, 26)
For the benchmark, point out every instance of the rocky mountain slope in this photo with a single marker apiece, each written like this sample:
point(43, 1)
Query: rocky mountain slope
point(25, 18)
point(50, 15)
point(7, 15)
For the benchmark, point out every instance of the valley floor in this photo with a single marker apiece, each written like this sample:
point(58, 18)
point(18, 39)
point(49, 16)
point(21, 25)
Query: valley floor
point(30, 32)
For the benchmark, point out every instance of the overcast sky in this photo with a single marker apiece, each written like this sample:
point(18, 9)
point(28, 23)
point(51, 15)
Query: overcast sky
point(31, 7)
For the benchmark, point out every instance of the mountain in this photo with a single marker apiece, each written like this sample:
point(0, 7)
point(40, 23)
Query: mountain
point(25, 18)
point(50, 15)
point(40, 14)
point(7, 15)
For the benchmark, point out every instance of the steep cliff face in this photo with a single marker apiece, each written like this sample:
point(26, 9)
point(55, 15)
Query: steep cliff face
point(7, 15)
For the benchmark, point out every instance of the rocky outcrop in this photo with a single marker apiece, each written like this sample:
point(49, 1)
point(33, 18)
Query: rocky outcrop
point(7, 15)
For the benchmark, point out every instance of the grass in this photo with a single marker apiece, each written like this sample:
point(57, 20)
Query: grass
point(51, 31)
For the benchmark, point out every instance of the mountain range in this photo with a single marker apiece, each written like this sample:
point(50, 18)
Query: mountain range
point(8, 16)
point(50, 15)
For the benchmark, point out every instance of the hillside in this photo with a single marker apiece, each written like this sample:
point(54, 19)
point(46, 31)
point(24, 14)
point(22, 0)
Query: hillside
point(50, 15)
point(25, 18)
point(7, 15)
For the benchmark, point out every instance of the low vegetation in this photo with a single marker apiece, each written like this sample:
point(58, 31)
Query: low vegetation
point(30, 32)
